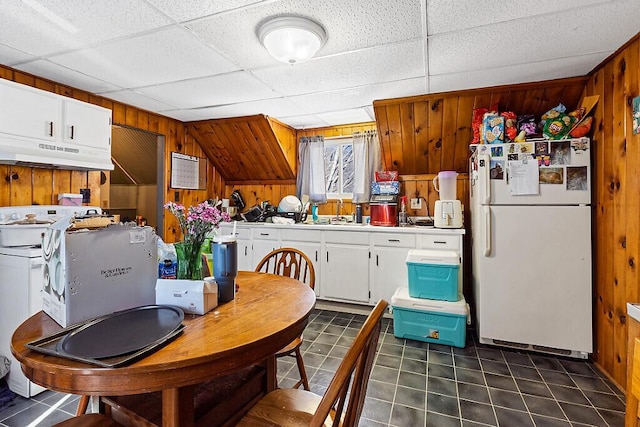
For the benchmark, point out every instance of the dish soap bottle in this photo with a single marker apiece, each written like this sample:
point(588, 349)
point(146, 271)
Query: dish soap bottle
point(402, 216)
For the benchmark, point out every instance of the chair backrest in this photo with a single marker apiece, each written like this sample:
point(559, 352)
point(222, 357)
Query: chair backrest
point(354, 370)
point(289, 262)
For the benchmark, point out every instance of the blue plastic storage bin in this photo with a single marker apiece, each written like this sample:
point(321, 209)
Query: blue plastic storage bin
point(439, 322)
point(433, 274)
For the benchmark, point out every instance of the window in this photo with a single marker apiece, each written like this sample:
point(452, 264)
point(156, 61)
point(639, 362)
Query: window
point(339, 168)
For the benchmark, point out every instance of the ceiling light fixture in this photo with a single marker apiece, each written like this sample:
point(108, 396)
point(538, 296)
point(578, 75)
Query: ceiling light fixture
point(292, 39)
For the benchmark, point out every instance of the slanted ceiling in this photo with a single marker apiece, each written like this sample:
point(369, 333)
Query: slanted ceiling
point(246, 149)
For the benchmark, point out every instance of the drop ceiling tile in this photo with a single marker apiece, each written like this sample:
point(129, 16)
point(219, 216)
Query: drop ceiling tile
point(65, 76)
point(136, 99)
point(349, 25)
point(595, 29)
point(211, 91)
point(514, 74)
point(276, 107)
point(304, 122)
point(79, 23)
point(445, 16)
point(10, 56)
point(344, 99)
point(376, 65)
point(335, 118)
point(182, 115)
point(159, 57)
point(186, 10)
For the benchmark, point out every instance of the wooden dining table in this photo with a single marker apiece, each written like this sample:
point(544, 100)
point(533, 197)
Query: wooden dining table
point(267, 313)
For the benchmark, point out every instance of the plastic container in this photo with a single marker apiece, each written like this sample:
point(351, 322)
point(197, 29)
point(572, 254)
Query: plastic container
point(433, 274)
point(439, 322)
point(445, 185)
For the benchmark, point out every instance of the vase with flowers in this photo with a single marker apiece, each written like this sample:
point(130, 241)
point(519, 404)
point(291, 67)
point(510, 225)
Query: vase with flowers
point(195, 223)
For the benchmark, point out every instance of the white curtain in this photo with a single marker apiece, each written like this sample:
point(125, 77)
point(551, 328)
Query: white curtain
point(366, 152)
point(311, 169)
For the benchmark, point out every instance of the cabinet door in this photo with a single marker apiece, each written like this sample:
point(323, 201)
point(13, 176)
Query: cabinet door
point(87, 124)
point(388, 272)
point(313, 251)
point(28, 112)
point(260, 249)
point(346, 273)
point(245, 262)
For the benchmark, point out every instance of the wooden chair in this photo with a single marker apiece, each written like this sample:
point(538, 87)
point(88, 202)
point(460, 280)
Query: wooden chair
point(293, 263)
point(341, 404)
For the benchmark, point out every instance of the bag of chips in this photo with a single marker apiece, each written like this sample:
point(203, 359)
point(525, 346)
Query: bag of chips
point(510, 130)
point(582, 128)
point(558, 127)
point(526, 123)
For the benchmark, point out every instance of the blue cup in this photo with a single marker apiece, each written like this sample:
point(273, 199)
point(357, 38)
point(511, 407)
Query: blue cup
point(225, 266)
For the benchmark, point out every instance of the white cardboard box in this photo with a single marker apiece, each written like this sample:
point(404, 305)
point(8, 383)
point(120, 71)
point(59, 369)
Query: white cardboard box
point(192, 296)
point(93, 272)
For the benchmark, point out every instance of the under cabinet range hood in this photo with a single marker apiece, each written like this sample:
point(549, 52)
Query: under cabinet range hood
point(33, 153)
point(44, 129)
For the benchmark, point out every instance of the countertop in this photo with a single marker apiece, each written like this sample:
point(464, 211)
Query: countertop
point(410, 229)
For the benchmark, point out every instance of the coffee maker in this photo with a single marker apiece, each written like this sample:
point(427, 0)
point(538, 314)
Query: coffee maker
point(448, 210)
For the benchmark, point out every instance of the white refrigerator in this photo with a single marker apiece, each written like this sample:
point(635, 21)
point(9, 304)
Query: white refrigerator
point(531, 245)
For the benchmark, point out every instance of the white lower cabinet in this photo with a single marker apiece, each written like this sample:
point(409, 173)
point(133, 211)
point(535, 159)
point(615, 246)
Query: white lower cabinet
point(345, 269)
point(263, 242)
point(309, 242)
point(388, 264)
point(351, 266)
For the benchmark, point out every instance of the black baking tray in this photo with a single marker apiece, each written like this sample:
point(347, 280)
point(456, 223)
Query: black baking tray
point(98, 341)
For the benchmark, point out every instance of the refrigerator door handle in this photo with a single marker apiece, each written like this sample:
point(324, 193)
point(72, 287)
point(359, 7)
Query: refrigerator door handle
point(487, 231)
point(486, 179)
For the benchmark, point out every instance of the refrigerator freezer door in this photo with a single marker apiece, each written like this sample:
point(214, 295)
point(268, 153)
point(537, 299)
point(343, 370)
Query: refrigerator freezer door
point(564, 182)
point(534, 287)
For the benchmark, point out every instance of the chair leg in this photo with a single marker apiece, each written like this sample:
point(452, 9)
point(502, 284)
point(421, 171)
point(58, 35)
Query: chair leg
point(83, 403)
point(303, 373)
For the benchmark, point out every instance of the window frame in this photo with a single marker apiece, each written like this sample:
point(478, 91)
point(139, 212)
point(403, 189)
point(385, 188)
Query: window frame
point(339, 142)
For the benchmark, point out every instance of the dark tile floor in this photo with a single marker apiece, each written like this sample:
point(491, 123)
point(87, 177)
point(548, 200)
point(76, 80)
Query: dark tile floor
point(420, 384)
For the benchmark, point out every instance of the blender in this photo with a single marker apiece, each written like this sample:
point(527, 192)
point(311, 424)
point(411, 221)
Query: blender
point(448, 210)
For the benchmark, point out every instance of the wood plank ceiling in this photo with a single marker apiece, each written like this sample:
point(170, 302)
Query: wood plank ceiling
point(243, 149)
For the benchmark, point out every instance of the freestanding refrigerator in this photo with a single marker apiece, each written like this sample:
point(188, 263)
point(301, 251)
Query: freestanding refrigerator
point(531, 245)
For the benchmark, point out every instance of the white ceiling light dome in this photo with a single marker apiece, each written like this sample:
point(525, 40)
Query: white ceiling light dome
point(292, 39)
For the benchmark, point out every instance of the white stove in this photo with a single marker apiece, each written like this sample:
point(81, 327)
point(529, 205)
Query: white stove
point(21, 275)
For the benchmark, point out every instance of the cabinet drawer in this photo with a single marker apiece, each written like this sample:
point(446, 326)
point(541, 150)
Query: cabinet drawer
point(297, 235)
point(440, 242)
point(348, 237)
point(265, 234)
point(242, 233)
point(388, 239)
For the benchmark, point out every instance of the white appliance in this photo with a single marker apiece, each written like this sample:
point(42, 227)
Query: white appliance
point(447, 214)
point(531, 253)
point(21, 279)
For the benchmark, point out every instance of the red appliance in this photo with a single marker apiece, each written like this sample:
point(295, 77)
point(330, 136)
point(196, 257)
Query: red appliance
point(383, 209)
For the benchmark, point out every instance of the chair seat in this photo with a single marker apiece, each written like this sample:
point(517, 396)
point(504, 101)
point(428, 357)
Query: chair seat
point(284, 407)
point(290, 348)
point(89, 420)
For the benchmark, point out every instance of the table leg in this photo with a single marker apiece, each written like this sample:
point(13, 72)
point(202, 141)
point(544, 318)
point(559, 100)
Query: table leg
point(177, 407)
point(272, 373)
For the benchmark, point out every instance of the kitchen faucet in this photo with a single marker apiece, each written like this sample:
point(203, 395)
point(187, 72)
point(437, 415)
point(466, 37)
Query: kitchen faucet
point(339, 204)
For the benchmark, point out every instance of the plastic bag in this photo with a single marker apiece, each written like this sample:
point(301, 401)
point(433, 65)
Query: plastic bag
point(167, 260)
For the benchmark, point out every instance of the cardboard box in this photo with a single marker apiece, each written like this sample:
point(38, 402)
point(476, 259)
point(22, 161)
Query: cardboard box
point(439, 322)
point(433, 274)
point(94, 272)
point(69, 199)
point(192, 296)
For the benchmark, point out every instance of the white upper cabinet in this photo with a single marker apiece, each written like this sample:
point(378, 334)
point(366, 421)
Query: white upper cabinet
point(42, 128)
point(86, 124)
point(29, 112)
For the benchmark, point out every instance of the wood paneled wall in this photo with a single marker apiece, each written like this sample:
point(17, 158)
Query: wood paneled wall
point(616, 203)
point(27, 186)
point(429, 133)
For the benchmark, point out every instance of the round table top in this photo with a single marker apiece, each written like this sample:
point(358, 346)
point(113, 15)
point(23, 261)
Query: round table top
point(267, 313)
